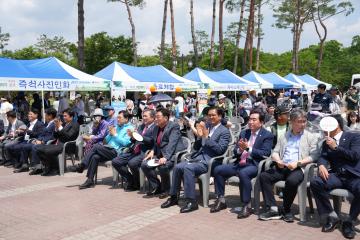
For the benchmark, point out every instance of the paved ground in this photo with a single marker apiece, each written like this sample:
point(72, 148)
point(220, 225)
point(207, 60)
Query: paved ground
point(35, 207)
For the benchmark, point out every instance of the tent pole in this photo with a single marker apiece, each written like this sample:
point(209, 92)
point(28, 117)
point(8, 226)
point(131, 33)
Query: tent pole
point(236, 104)
point(43, 105)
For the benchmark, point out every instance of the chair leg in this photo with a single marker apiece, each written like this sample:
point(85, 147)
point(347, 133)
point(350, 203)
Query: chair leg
point(96, 175)
point(61, 164)
point(302, 203)
point(311, 205)
point(337, 204)
point(115, 177)
point(256, 196)
point(142, 180)
point(205, 192)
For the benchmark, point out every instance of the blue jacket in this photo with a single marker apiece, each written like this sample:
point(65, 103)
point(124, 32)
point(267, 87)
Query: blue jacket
point(214, 146)
point(121, 139)
point(262, 146)
point(48, 133)
point(347, 154)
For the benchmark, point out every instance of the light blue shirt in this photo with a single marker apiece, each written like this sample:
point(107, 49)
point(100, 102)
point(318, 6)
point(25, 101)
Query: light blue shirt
point(292, 149)
point(121, 139)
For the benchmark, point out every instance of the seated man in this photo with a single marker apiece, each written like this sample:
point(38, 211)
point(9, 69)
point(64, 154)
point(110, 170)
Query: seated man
point(34, 128)
point(167, 142)
point(115, 142)
point(291, 154)
point(44, 137)
point(342, 151)
point(48, 154)
point(134, 158)
point(99, 131)
point(10, 137)
point(213, 141)
point(254, 145)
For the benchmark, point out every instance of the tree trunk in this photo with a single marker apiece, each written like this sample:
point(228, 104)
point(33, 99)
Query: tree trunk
point(252, 13)
point(249, 37)
point(163, 30)
point(193, 33)
point(296, 38)
point(212, 41)
point(238, 35)
point(322, 41)
point(221, 35)
point(81, 38)
point(259, 38)
point(173, 39)
point(133, 37)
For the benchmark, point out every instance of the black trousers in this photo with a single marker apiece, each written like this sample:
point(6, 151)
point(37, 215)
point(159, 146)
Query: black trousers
point(164, 172)
point(321, 189)
point(48, 154)
point(99, 153)
point(292, 180)
point(124, 161)
point(5, 145)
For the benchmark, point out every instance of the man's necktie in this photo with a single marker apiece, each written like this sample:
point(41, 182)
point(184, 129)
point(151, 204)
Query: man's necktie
point(137, 147)
point(245, 154)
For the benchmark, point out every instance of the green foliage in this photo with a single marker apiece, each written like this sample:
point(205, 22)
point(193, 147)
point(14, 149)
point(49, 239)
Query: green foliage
point(102, 50)
point(4, 39)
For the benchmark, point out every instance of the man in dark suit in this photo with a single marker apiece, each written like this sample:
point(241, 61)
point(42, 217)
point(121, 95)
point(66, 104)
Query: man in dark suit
point(212, 141)
point(33, 130)
point(134, 158)
point(253, 146)
point(342, 151)
point(11, 137)
point(167, 141)
point(46, 135)
point(48, 154)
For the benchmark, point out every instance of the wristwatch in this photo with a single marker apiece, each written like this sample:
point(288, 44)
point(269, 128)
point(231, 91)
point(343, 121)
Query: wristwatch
point(247, 149)
point(299, 164)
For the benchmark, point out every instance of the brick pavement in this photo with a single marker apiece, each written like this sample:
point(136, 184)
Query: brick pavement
point(35, 207)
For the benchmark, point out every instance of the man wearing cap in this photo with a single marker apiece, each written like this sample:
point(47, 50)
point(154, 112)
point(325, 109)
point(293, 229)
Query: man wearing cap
point(110, 115)
point(281, 126)
point(323, 98)
point(340, 151)
point(99, 130)
point(352, 99)
point(222, 103)
point(245, 106)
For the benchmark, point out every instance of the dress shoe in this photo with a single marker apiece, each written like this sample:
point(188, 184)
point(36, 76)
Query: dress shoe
point(288, 217)
point(35, 171)
point(163, 195)
point(153, 193)
point(87, 184)
point(331, 224)
point(79, 168)
point(218, 206)
point(46, 171)
point(171, 201)
point(191, 205)
point(347, 230)
point(17, 165)
point(22, 169)
point(2, 162)
point(244, 213)
point(130, 188)
point(8, 163)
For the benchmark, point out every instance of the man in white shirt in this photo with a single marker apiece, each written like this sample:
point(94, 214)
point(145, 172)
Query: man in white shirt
point(5, 107)
point(180, 100)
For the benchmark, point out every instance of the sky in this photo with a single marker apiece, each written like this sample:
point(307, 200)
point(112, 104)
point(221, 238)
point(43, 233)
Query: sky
point(26, 20)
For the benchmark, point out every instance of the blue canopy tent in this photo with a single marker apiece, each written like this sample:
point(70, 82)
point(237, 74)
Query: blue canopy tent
point(219, 80)
point(141, 78)
point(47, 74)
point(306, 81)
point(272, 79)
